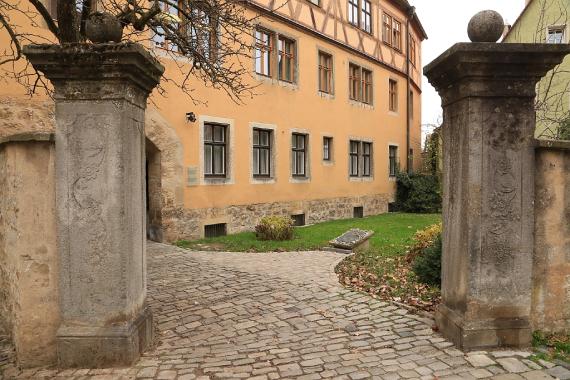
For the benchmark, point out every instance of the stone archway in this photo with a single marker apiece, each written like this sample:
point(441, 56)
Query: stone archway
point(166, 181)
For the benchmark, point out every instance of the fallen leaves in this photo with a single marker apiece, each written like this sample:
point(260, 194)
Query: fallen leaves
point(391, 277)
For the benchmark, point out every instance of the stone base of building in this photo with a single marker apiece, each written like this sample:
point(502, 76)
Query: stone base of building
point(190, 223)
point(467, 335)
point(103, 347)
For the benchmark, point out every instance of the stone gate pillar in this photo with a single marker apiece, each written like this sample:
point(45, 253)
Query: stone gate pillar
point(488, 92)
point(100, 97)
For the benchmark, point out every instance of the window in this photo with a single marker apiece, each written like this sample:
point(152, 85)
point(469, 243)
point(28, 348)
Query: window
point(215, 150)
point(556, 34)
point(325, 73)
point(366, 159)
point(360, 83)
point(286, 51)
point(298, 220)
point(203, 42)
point(397, 35)
point(367, 86)
point(412, 51)
point(263, 48)
point(387, 29)
point(354, 155)
point(353, 12)
point(360, 157)
point(261, 152)
point(215, 230)
point(201, 29)
point(354, 82)
point(327, 148)
point(366, 16)
point(299, 148)
point(392, 32)
point(393, 160)
point(358, 212)
point(393, 95)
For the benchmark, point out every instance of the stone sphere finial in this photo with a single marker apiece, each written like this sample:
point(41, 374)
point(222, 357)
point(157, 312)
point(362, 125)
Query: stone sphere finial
point(103, 27)
point(486, 26)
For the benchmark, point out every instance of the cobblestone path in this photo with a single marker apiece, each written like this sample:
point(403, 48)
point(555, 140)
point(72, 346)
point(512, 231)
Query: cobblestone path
point(284, 315)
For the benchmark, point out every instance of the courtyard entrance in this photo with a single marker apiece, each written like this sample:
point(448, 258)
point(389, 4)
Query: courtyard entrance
point(153, 192)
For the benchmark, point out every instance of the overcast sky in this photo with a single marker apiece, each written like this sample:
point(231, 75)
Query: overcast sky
point(445, 22)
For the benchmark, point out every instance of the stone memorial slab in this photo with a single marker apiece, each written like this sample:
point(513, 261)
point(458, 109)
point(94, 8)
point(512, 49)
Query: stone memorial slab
point(352, 240)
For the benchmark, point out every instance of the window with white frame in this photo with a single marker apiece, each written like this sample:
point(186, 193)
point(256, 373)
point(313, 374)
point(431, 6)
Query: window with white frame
point(556, 34)
point(360, 14)
point(263, 52)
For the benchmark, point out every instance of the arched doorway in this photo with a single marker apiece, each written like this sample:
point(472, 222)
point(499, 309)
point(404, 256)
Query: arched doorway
point(153, 193)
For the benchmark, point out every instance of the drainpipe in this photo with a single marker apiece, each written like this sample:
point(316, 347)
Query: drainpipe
point(411, 12)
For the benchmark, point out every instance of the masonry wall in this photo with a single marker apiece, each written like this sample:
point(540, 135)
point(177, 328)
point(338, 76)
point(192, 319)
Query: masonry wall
point(551, 267)
point(29, 308)
point(189, 223)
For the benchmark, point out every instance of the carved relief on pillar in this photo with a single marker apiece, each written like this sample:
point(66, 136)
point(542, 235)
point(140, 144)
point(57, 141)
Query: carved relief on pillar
point(88, 138)
point(502, 224)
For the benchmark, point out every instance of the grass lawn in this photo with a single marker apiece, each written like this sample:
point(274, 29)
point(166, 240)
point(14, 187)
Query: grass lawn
point(393, 233)
point(383, 271)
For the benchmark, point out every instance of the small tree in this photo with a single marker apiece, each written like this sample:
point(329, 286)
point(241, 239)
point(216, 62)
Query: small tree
point(215, 35)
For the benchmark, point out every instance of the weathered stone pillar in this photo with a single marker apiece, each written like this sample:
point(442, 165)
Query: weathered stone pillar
point(100, 95)
point(488, 92)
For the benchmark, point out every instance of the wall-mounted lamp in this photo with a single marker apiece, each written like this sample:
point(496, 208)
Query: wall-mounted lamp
point(190, 117)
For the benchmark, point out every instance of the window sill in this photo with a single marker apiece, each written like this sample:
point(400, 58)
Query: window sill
point(361, 179)
point(328, 162)
point(217, 181)
point(326, 95)
point(393, 113)
point(263, 180)
point(289, 85)
point(300, 179)
point(360, 104)
point(275, 81)
point(392, 178)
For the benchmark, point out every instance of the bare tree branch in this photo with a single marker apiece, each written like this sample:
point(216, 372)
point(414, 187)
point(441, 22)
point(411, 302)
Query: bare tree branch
point(46, 17)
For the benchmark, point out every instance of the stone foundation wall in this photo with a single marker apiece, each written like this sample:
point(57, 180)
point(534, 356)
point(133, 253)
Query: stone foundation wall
point(29, 301)
point(189, 223)
point(551, 267)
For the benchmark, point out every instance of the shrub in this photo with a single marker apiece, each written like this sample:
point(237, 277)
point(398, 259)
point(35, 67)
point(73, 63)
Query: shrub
point(427, 265)
point(419, 193)
point(275, 228)
point(423, 239)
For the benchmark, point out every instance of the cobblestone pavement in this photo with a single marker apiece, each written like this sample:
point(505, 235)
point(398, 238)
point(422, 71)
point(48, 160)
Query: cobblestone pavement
point(284, 316)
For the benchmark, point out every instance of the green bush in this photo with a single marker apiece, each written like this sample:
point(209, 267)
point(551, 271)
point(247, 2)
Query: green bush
point(275, 228)
point(419, 193)
point(427, 265)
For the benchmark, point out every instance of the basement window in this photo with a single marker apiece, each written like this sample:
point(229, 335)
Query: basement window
point(299, 220)
point(215, 230)
point(358, 212)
